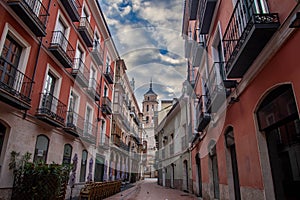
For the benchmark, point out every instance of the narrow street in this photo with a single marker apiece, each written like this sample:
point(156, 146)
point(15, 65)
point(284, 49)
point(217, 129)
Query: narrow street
point(149, 190)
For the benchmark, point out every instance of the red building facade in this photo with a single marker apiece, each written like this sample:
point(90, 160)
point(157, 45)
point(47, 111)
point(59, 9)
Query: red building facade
point(56, 86)
point(243, 66)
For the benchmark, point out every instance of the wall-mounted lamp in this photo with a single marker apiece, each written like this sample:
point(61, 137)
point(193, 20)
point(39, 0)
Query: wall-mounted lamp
point(296, 21)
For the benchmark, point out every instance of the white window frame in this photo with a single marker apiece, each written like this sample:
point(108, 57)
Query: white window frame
point(64, 20)
point(57, 84)
point(9, 30)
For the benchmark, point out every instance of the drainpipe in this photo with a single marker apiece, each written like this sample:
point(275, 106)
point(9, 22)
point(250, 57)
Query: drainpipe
point(37, 57)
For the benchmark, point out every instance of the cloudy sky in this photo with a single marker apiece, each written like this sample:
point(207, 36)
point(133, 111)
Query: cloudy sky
point(147, 34)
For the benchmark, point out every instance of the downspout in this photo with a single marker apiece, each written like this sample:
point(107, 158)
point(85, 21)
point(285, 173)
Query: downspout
point(37, 57)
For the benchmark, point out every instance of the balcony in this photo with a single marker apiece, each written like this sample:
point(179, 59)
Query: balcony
point(33, 13)
point(109, 75)
point(106, 106)
point(75, 124)
point(197, 53)
point(97, 53)
point(216, 92)
point(15, 87)
point(86, 31)
point(203, 117)
point(104, 141)
point(62, 49)
point(117, 111)
point(188, 47)
point(93, 89)
point(126, 124)
point(89, 133)
point(80, 72)
point(119, 143)
point(51, 110)
point(72, 8)
point(193, 9)
point(206, 11)
point(246, 35)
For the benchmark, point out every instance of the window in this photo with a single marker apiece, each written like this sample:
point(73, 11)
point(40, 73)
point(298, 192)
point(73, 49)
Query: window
point(103, 130)
point(93, 79)
point(147, 108)
point(105, 92)
point(147, 120)
point(79, 58)
point(9, 62)
point(83, 166)
point(67, 154)
point(48, 100)
point(88, 127)
point(41, 149)
point(96, 40)
point(107, 65)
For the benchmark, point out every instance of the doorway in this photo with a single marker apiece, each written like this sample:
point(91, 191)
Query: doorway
point(279, 120)
point(199, 175)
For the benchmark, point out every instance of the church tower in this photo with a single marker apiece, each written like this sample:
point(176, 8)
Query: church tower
point(150, 106)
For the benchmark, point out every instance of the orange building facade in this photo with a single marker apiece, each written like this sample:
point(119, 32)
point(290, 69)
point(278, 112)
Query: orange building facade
point(243, 67)
point(57, 68)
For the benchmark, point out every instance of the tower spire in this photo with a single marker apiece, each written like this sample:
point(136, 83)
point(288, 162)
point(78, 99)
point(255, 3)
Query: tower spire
point(151, 83)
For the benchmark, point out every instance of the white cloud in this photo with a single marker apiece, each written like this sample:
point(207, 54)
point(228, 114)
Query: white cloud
point(156, 25)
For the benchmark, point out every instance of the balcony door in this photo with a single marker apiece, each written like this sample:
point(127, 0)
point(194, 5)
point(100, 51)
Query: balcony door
point(93, 82)
point(61, 29)
point(88, 120)
point(99, 168)
point(107, 65)
point(72, 115)
point(79, 56)
point(9, 61)
point(49, 88)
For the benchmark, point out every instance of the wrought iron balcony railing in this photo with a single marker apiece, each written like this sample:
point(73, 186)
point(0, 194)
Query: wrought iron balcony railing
point(80, 72)
point(72, 8)
point(74, 124)
point(15, 87)
point(248, 31)
point(33, 13)
point(51, 110)
point(62, 49)
point(109, 74)
point(215, 87)
point(203, 116)
point(86, 31)
point(106, 106)
point(97, 53)
point(93, 89)
point(89, 132)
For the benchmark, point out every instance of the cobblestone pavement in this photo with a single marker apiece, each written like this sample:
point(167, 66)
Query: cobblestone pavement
point(149, 190)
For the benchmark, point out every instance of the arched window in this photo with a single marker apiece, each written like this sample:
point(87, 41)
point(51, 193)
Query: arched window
point(147, 108)
point(67, 154)
point(83, 166)
point(41, 149)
